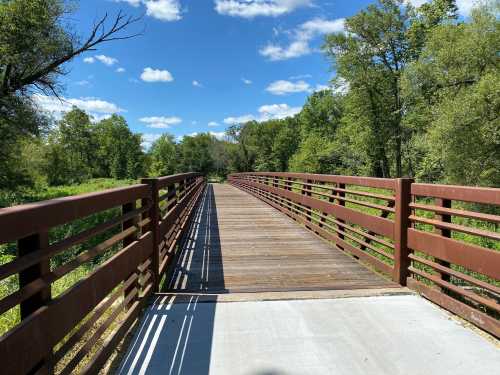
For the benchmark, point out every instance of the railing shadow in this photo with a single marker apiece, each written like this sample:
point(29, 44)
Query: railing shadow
point(175, 334)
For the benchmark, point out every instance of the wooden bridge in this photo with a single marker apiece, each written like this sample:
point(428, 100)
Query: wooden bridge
point(261, 275)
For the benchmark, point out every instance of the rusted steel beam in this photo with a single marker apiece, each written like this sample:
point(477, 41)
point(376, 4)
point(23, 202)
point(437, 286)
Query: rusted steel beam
point(401, 225)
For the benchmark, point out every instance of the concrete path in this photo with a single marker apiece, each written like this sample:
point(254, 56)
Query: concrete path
point(386, 335)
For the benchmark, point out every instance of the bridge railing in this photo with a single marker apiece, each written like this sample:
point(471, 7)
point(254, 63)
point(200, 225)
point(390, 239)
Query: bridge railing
point(440, 240)
point(83, 269)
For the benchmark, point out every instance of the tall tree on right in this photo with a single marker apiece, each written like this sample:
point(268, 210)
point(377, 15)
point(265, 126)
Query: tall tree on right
point(371, 56)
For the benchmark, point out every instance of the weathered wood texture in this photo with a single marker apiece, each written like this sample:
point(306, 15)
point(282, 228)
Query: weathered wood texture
point(238, 243)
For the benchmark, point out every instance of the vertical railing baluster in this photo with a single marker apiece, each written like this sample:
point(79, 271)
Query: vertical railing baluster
point(154, 216)
point(126, 208)
point(401, 225)
point(25, 246)
point(445, 203)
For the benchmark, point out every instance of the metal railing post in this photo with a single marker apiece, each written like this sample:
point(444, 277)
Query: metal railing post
point(401, 224)
point(25, 246)
point(154, 216)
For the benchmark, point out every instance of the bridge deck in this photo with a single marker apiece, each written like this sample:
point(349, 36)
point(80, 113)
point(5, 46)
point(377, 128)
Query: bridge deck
point(237, 243)
point(292, 322)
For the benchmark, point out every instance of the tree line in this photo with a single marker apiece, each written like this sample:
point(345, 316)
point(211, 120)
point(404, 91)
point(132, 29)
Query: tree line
point(416, 93)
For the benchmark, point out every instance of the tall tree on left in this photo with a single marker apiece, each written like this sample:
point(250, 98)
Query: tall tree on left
point(35, 43)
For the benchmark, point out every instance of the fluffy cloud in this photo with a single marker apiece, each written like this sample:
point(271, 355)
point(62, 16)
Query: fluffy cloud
point(120, 70)
point(156, 75)
point(246, 81)
point(254, 8)
point(163, 10)
point(213, 124)
point(301, 37)
point(218, 135)
point(464, 6)
point(148, 139)
point(160, 122)
point(106, 60)
point(238, 120)
point(95, 107)
point(197, 84)
point(266, 112)
point(282, 87)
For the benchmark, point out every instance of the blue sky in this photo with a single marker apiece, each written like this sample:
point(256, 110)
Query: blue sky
point(202, 65)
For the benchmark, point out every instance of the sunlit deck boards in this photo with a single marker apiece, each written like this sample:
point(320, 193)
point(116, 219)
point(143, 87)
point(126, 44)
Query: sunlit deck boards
point(238, 243)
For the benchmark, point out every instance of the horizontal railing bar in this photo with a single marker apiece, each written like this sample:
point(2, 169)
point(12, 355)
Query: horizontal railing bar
point(455, 212)
point(36, 256)
point(455, 227)
point(437, 280)
point(334, 188)
point(382, 183)
point(457, 274)
point(27, 219)
point(458, 193)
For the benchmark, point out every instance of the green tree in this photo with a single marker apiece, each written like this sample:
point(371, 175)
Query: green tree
point(453, 97)
point(163, 156)
point(71, 149)
point(371, 56)
point(119, 152)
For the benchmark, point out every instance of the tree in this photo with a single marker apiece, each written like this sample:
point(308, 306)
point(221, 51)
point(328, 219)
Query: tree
point(35, 43)
point(452, 94)
point(371, 56)
point(119, 153)
point(163, 156)
point(71, 150)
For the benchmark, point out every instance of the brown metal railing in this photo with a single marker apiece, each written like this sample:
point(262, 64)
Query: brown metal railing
point(438, 239)
point(134, 233)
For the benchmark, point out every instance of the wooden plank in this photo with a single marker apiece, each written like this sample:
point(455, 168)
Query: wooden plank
point(238, 243)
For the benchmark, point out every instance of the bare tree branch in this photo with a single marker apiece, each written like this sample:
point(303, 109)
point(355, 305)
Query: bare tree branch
point(99, 34)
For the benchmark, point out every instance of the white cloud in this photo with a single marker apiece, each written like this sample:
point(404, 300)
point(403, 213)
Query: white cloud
point(265, 112)
point(160, 122)
point(283, 87)
point(218, 135)
point(120, 70)
point(148, 139)
point(106, 60)
point(254, 8)
point(464, 6)
point(197, 84)
point(95, 107)
point(134, 3)
point(163, 10)
point(301, 76)
point(83, 82)
point(277, 111)
point(301, 37)
point(156, 75)
point(194, 122)
point(213, 124)
point(238, 120)
point(246, 81)
point(89, 60)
